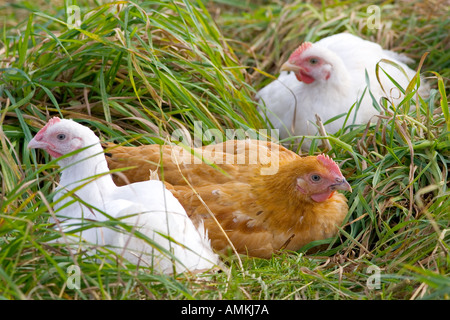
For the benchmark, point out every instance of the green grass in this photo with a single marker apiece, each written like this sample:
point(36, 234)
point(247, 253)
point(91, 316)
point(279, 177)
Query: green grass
point(154, 67)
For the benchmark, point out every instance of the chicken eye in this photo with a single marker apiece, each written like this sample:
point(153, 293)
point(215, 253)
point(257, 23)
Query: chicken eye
point(316, 178)
point(313, 61)
point(61, 136)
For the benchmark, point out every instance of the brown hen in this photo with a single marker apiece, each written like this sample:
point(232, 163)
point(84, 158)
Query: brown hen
point(265, 197)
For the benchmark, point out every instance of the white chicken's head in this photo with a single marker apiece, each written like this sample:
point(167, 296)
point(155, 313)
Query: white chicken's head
point(310, 63)
point(62, 136)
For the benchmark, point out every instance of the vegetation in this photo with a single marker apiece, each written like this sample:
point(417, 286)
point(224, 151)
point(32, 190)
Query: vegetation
point(137, 71)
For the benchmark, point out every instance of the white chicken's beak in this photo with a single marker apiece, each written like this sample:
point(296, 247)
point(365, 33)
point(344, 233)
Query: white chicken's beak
point(36, 144)
point(287, 66)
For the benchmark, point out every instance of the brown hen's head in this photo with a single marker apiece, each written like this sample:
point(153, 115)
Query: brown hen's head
point(313, 178)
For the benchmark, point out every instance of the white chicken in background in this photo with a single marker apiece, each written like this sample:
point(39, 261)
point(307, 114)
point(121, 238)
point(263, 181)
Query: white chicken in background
point(147, 207)
point(328, 78)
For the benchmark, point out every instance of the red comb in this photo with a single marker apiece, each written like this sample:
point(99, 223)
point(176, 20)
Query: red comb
point(50, 122)
point(329, 164)
point(300, 49)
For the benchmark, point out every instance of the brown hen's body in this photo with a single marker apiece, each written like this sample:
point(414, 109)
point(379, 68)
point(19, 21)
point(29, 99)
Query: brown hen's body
point(258, 191)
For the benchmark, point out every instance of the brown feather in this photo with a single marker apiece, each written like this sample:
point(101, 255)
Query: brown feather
point(261, 213)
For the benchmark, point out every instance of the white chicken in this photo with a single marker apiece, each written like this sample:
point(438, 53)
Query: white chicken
point(328, 78)
point(147, 207)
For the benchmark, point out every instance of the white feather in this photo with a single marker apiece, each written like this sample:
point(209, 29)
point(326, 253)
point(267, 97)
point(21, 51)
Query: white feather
point(350, 57)
point(147, 207)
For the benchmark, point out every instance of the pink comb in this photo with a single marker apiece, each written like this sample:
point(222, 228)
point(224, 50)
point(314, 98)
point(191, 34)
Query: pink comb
point(300, 49)
point(50, 122)
point(329, 164)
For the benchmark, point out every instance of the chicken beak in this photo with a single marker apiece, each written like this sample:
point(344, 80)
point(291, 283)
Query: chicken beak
point(36, 144)
point(287, 66)
point(343, 185)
